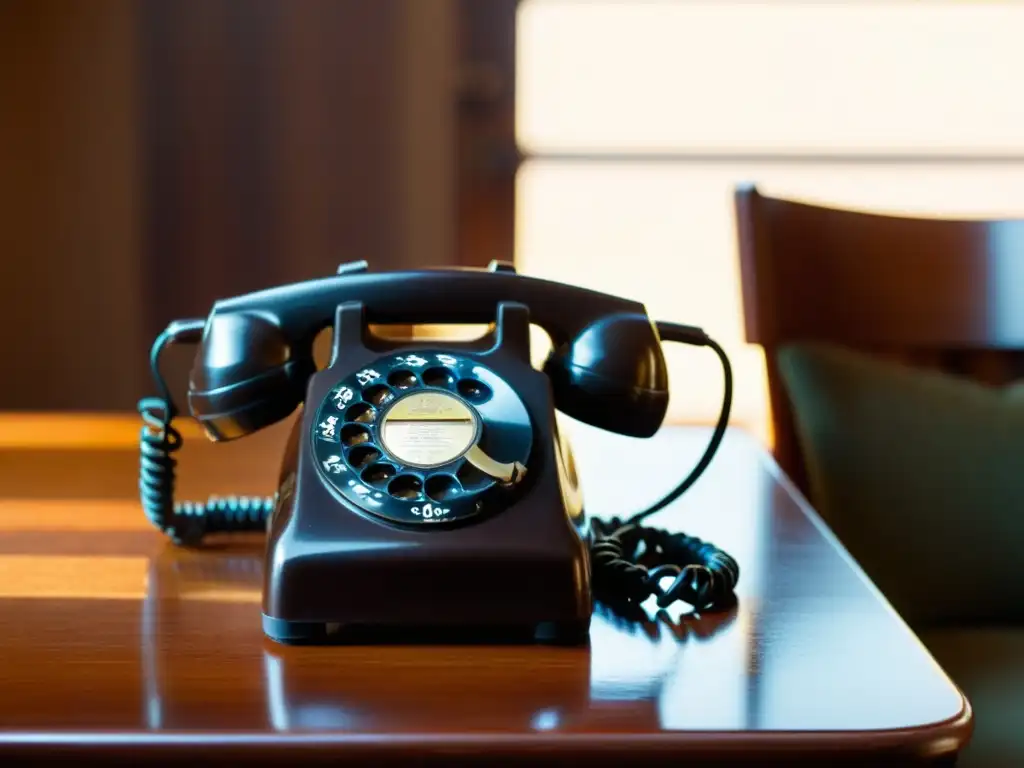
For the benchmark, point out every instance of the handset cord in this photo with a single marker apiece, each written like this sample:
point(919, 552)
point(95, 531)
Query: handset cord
point(629, 560)
point(185, 522)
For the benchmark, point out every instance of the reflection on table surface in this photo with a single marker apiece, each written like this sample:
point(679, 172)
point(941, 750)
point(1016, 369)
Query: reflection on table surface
point(108, 626)
point(617, 680)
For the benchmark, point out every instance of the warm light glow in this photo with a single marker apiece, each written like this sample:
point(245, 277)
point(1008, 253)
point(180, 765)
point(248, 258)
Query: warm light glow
point(665, 234)
point(214, 594)
point(55, 431)
point(70, 577)
point(786, 77)
point(77, 515)
point(77, 577)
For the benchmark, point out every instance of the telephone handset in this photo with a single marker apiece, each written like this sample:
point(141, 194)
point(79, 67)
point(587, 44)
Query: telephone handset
point(416, 463)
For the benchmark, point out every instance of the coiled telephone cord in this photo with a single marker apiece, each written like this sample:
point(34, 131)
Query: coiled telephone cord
point(185, 522)
point(628, 561)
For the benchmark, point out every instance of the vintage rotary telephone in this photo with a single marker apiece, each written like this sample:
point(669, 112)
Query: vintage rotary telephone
point(425, 487)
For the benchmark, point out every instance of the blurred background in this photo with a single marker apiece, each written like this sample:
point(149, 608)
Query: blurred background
point(155, 156)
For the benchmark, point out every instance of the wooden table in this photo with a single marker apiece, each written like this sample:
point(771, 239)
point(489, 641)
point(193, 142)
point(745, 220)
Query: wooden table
point(115, 645)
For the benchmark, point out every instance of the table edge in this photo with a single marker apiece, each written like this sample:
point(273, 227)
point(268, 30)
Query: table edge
point(939, 739)
point(823, 529)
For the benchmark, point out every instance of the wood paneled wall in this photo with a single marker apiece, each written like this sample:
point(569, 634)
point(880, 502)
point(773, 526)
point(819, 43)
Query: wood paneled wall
point(70, 193)
point(157, 156)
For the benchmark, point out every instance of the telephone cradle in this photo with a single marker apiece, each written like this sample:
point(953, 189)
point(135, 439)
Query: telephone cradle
point(425, 490)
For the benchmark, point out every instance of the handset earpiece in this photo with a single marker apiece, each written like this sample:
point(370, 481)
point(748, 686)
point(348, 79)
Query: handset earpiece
point(612, 375)
point(247, 375)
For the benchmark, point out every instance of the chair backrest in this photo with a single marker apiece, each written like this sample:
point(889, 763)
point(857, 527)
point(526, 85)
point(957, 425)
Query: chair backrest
point(938, 293)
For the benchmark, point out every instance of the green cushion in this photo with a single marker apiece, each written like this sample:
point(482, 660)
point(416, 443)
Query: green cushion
point(988, 665)
point(921, 475)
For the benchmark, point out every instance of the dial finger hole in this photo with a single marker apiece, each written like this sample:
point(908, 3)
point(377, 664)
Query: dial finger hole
point(360, 412)
point(402, 379)
point(405, 487)
point(442, 487)
point(363, 455)
point(378, 474)
point(354, 434)
point(473, 390)
point(437, 377)
point(378, 394)
point(472, 478)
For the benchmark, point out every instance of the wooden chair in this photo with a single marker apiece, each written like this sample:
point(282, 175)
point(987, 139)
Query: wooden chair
point(894, 354)
point(932, 292)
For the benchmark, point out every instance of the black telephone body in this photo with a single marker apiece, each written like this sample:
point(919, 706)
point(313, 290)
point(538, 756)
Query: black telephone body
point(425, 487)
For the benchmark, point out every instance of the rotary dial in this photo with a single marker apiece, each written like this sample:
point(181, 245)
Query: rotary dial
point(426, 437)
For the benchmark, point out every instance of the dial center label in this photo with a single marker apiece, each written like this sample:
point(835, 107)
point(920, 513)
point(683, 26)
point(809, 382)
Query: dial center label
point(428, 429)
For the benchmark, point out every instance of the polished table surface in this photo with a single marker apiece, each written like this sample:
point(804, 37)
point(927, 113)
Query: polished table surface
point(114, 644)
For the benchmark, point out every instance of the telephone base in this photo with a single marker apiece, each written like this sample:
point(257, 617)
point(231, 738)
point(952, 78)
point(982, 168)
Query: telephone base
point(321, 633)
point(355, 553)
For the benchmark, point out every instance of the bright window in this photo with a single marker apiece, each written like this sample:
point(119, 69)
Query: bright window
point(639, 118)
point(792, 77)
